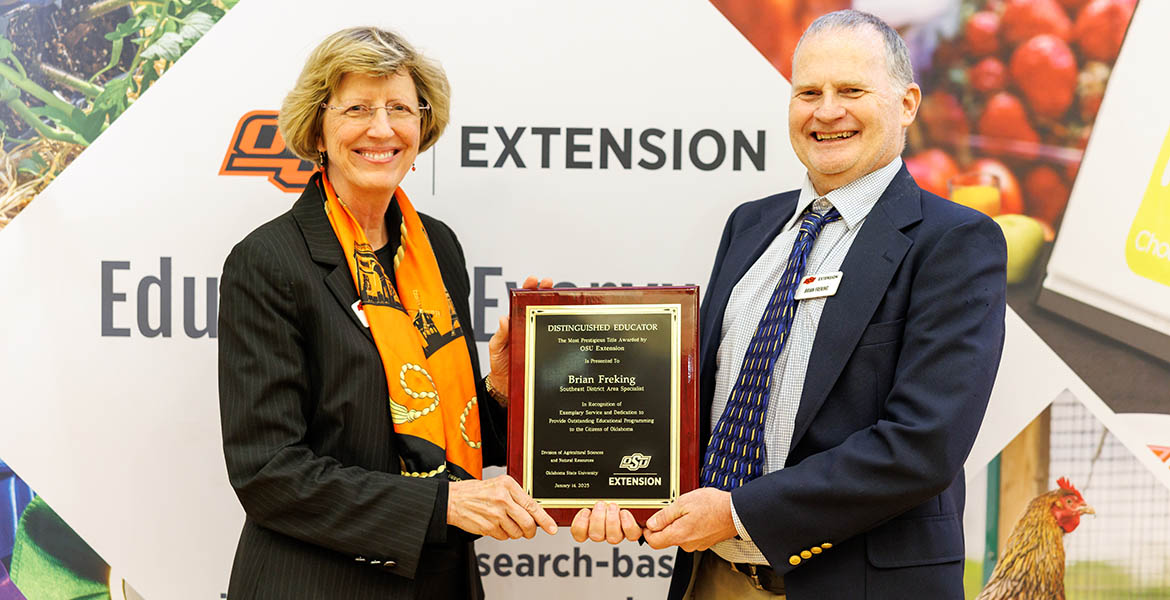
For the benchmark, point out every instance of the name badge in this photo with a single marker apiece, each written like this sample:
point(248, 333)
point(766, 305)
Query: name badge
point(361, 314)
point(818, 286)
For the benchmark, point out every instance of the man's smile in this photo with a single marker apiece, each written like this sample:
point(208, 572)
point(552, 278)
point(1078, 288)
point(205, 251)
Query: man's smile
point(822, 136)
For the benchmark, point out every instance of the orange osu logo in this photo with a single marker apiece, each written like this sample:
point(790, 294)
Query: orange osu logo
point(810, 280)
point(258, 149)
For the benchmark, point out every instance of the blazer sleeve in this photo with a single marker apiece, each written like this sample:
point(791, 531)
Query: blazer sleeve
point(265, 395)
point(950, 352)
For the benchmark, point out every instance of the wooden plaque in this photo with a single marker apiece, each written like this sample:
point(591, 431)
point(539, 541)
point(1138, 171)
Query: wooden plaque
point(604, 397)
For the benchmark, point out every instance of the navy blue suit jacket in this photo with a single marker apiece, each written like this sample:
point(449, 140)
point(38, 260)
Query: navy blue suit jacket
point(901, 369)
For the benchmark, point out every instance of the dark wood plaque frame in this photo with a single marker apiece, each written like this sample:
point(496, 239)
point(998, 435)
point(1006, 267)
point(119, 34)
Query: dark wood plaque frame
point(688, 299)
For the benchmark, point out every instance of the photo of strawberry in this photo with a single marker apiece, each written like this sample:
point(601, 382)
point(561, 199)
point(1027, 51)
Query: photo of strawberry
point(982, 33)
point(1024, 19)
point(1046, 71)
point(1047, 193)
point(1073, 5)
point(1101, 26)
point(988, 75)
point(1013, 92)
point(943, 117)
point(1004, 119)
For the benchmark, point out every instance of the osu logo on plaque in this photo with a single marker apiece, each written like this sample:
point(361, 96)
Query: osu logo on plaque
point(258, 149)
point(635, 461)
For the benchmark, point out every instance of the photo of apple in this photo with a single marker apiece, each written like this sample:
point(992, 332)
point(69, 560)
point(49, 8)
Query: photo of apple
point(983, 198)
point(1025, 237)
point(932, 169)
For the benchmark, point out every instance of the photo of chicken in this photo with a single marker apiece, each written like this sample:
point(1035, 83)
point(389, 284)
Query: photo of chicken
point(1032, 564)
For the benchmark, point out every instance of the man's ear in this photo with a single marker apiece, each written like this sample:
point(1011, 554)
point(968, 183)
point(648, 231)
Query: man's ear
point(911, 100)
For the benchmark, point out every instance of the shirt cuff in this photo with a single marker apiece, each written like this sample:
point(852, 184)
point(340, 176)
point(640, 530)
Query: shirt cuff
point(739, 528)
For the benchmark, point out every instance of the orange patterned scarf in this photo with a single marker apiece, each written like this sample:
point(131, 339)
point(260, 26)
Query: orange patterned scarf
point(420, 340)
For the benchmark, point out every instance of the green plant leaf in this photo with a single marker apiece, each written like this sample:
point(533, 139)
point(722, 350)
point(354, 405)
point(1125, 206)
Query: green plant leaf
point(74, 121)
point(53, 113)
point(216, 12)
point(30, 116)
point(194, 26)
point(93, 125)
point(149, 76)
point(182, 9)
point(7, 90)
point(6, 54)
point(168, 46)
point(114, 96)
point(125, 28)
point(32, 165)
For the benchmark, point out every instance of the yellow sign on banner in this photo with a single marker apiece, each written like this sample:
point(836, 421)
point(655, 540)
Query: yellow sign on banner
point(1147, 251)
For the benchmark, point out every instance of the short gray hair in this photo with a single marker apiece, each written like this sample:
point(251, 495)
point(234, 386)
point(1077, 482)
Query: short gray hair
point(897, 55)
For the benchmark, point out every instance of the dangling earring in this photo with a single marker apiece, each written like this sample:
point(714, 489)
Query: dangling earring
point(412, 167)
point(322, 158)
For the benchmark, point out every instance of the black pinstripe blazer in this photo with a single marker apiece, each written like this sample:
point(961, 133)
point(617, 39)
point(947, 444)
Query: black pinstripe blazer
point(307, 433)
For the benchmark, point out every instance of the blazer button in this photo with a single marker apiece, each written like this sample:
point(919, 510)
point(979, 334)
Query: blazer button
point(390, 564)
point(359, 559)
point(815, 550)
point(826, 545)
point(805, 554)
point(794, 560)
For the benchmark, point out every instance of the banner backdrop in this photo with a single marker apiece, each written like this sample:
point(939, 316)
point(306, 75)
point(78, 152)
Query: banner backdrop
point(1121, 266)
point(599, 143)
point(115, 384)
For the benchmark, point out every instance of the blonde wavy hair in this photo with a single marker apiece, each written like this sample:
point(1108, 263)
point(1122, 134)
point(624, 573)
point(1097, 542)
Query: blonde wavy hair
point(368, 51)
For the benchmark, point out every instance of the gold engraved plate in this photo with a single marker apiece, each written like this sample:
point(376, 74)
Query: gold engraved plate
point(602, 404)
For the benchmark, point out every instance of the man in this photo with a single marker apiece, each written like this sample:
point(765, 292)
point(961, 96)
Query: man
point(833, 453)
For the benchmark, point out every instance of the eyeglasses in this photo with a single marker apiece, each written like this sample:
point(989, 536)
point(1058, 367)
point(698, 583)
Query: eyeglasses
point(363, 112)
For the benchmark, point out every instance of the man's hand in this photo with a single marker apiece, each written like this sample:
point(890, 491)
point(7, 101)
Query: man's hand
point(696, 521)
point(606, 521)
point(499, 348)
point(496, 507)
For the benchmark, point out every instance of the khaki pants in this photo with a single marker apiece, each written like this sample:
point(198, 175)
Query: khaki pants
point(712, 578)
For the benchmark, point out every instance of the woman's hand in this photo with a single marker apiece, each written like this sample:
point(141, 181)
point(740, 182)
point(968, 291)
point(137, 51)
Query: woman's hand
point(606, 521)
point(499, 347)
point(496, 507)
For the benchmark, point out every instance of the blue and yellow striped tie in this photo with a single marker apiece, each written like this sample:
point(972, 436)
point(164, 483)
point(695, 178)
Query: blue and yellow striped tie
point(735, 455)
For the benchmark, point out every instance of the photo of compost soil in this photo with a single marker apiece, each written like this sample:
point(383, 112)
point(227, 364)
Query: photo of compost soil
point(69, 68)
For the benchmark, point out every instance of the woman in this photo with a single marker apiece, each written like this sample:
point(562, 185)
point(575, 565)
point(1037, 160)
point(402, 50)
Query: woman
point(351, 492)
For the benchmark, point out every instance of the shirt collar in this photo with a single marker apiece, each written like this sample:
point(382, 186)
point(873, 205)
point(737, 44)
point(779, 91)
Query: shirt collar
point(853, 200)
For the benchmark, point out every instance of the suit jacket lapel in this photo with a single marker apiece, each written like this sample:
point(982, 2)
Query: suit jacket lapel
point(740, 257)
point(309, 213)
point(871, 262)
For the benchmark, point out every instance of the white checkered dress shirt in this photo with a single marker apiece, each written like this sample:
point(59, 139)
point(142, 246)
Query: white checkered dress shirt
point(746, 306)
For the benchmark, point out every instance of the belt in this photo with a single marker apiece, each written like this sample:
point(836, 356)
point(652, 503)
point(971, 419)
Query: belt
point(761, 576)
